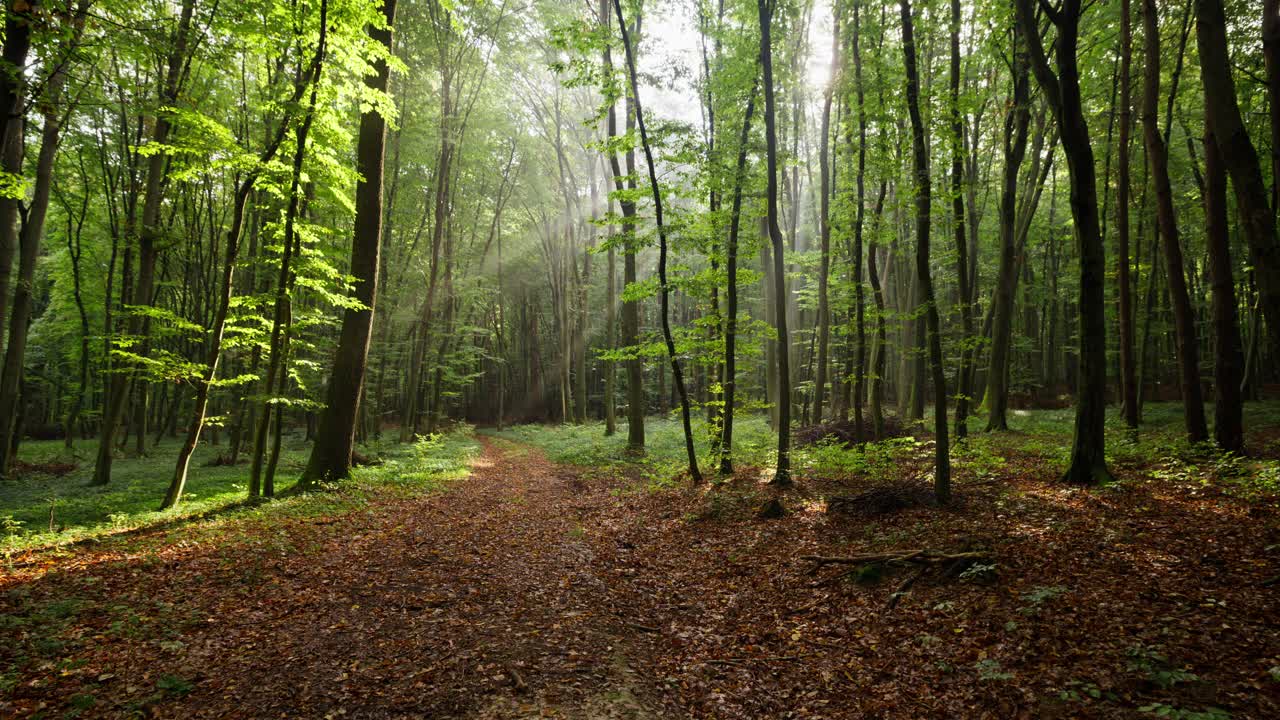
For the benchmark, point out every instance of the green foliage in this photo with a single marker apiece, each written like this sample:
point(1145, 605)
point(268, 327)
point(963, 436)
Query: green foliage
point(80, 511)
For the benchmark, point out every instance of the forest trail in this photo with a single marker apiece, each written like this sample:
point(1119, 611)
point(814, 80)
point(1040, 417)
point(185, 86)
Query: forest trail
point(480, 602)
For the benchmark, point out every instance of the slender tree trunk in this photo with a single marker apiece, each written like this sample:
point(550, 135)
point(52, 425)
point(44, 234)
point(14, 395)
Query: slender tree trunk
point(880, 358)
point(824, 267)
point(1128, 375)
point(281, 324)
point(664, 289)
point(859, 301)
point(958, 227)
point(630, 308)
point(782, 474)
point(1228, 360)
point(1016, 124)
point(1188, 352)
point(731, 286)
point(920, 162)
point(1062, 89)
point(157, 169)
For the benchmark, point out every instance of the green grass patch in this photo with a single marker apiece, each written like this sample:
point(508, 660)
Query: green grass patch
point(39, 510)
point(1159, 448)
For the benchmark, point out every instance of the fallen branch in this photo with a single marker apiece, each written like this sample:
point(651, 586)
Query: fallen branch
point(924, 557)
point(740, 660)
point(947, 564)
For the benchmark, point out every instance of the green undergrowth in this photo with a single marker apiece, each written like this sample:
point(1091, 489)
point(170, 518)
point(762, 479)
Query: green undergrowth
point(1158, 451)
point(40, 509)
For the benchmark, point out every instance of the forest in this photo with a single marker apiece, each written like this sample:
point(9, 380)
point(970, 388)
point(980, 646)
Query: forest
point(640, 358)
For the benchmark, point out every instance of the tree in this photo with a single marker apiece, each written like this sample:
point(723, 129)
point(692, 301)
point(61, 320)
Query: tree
point(1187, 345)
point(664, 289)
point(335, 438)
point(1128, 376)
point(1240, 157)
point(924, 278)
point(782, 473)
point(1062, 90)
point(1228, 365)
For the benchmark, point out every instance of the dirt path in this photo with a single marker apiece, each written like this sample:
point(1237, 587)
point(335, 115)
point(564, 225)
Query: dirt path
point(481, 602)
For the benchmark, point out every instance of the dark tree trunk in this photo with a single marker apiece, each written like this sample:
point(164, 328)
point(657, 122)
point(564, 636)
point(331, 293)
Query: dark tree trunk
point(1016, 124)
point(30, 238)
point(1128, 373)
point(958, 227)
point(13, 117)
point(782, 474)
point(920, 161)
point(335, 437)
point(859, 301)
point(731, 286)
point(1062, 89)
point(664, 289)
point(630, 308)
point(141, 294)
point(1228, 359)
point(1188, 351)
point(1241, 158)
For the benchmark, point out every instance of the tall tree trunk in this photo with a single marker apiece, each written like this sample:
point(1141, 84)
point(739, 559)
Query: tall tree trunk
point(335, 437)
point(824, 267)
point(1016, 123)
point(731, 285)
point(625, 188)
point(30, 238)
point(1188, 351)
point(1228, 360)
point(958, 227)
point(920, 162)
point(1128, 373)
point(859, 300)
point(141, 294)
point(663, 288)
point(782, 474)
point(1062, 89)
point(1241, 159)
point(13, 119)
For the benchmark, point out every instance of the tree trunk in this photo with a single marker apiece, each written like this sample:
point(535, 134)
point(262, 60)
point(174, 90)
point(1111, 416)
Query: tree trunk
point(335, 437)
point(1241, 158)
point(958, 227)
point(920, 162)
point(663, 288)
point(1188, 352)
point(1062, 89)
point(731, 285)
point(1016, 123)
point(157, 169)
point(824, 268)
point(30, 237)
point(1228, 360)
point(782, 474)
point(1128, 376)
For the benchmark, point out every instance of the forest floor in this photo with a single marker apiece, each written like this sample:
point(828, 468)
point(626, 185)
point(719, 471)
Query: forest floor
point(536, 587)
